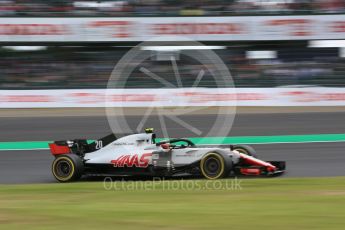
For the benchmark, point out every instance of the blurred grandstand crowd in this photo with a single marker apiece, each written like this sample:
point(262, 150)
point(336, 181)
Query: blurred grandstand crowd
point(167, 7)
point(91, 67)
point(64, 66)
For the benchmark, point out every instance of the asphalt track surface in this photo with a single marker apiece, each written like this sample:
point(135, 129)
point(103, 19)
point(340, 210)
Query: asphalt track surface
point(303, 159)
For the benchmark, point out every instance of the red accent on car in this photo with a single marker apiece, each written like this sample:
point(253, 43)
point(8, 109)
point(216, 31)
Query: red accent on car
point(250, 171)
point(58, 149)
point(132, 160)
point(165, 146)
point(124, 161)
point(144, 160)
point(115, 162)
point(254, 161)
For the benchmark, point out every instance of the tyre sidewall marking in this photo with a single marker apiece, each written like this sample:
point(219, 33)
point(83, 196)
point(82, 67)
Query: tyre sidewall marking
point(222, 164)
point(72, 169)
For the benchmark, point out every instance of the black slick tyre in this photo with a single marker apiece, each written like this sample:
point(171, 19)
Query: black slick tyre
point(215, 165)
point(67, 167)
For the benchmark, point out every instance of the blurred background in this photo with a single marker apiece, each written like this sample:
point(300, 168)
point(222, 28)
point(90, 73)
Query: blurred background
point(60, 44)
point(287, 61)
point(168, 7)
point(286, 58)
point(59, 67)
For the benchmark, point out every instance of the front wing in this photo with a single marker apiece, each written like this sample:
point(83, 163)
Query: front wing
point(257, 170)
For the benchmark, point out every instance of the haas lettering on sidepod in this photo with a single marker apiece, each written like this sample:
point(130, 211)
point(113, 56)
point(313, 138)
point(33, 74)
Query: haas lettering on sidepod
point(132, 160)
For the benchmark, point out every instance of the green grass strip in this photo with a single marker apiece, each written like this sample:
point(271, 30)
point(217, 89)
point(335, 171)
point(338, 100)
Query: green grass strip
point(283, 204)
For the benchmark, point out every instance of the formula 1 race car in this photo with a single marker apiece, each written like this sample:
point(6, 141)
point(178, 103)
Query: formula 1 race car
point(140, 155)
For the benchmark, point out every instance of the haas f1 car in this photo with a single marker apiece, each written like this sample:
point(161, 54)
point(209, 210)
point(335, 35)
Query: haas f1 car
point(141, 155)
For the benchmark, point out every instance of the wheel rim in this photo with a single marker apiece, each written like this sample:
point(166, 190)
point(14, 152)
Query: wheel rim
point(63, 169)
point(212, 166)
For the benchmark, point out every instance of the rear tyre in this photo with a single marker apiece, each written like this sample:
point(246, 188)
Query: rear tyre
point(67, 168)
point(215, 165)
point(245, 149)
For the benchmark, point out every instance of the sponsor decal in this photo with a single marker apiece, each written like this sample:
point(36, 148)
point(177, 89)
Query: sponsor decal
point(117, 29)
point(123, 143)
point(198, 28)
point(338, 27)
point(315, 96)
point(140, 161)
point(293, 27)
point(32, 29)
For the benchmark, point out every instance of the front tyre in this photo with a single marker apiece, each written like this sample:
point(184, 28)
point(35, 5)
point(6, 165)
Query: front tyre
point(245, 149)
point(67, 168)
point(215, 165)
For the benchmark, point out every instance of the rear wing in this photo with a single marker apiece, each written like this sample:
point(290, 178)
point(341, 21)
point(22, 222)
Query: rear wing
point(80, 146)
